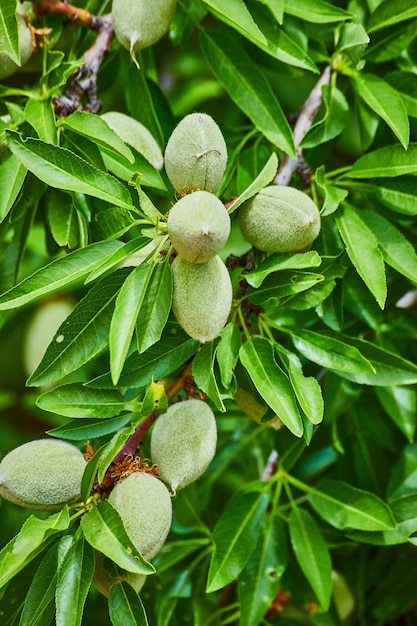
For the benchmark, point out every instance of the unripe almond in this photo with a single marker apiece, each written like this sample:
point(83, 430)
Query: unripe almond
point(198, 226)
point(202, 296)
point(9, 67)
point(140, 23)
point(136, 135)
point(183, 442)
point(43, 474)
point(196, 154)
point(144, 504)
point(280, 219)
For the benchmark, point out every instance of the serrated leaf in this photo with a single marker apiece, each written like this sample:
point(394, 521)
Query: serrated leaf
point(344, 506)
point(235, 14)
point(390, 161)
point(12, 177)
point(128, 303)
point(9, 37)
point(125, 606)
point(312, 554)
point(61, 168)
point(279, 262)
point(256, 356)
point(391, 12)
point(363, 250)
point(330, 352)
point(234, 538)
point(155, 309)
point(320, 12)
point(90, 428)
point(32, 538)
point(251, 91)
point(83, 335)
point(75, 400)
point(62, 272)
point(386, 102)
point(74, 581)
point(264, 177)
point(204, 374)
point(103, 529)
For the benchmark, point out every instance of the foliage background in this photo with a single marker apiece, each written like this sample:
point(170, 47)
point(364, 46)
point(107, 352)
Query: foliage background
point(251, 66)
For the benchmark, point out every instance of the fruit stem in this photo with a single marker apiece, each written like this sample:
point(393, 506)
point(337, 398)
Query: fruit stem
point(77, 16)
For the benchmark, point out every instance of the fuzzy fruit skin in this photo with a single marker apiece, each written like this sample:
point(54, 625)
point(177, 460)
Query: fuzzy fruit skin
point(183, 442)
point(9, 67)
point(202, 296)
point(43, 474)
point(144, 504)
point(198, 226)
point(280, 219)
point(140, 23)
point(104, 581)
point(136, 135)
point(196, 154)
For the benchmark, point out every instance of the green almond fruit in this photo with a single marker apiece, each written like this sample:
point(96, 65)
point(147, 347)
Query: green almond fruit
point(198, 226)
point(43, 474)
point(196, 155)
point(144, 504)
point(280, 219)
point(202, 296)
point(9, 67)
point(136, 135)
point(140, 23)
point(183, 442)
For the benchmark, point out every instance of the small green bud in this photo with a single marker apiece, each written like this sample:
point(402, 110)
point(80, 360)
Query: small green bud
point(202, 296)
point(144, 504)
point(9, 67)
point(280, 219)
point(196, 154)
point(43, 474)
point(136, 135)
point(140, 23)
point(183, 442)
point(198, 226)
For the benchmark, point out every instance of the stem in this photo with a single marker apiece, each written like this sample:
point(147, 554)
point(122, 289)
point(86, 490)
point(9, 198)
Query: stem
point(77, 16)
point(303, 124)
point(271, 466)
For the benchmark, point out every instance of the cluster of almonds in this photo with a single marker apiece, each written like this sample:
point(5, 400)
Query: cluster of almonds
point(198, 227)
point(45, 474)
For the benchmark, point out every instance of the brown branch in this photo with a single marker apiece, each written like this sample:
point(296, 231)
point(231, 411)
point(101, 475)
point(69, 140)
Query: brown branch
point(77, 16)
point(303, 124)
point(271, 466)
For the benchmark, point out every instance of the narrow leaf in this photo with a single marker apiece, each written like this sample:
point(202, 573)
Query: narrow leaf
point(12, 176)
point(227, 352)
point(9, 37)
point(125, 606)
point(264, 177)
point(75, 400)
point(39, 604)
point(279, 262)
point(390, 161)
point(235, 14)
point(204, 374)
point(90, 428)
point(40, 114)
point(155, 309)
point(307, 390)
point(391, 12)
point(320, 12)
point(74, 581)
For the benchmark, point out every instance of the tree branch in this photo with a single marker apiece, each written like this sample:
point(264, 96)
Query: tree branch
point(303, 124)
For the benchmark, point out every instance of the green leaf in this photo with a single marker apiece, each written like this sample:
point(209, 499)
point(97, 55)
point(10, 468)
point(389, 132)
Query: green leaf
point(74, 581)
point(320, 12)
point(363, 250)
point(227, 352)
point(279, 262)
point(9, 37)
point(61, 168)
point(95, 128)
point(403, 479)
point(400, 403)
point(257, 357)
point(391, 12)
point(155, 309)
point(104, 531)
point(249, 87)
point(260, 580)
point(62, 272)
point(32, 538)
point(63, 218)
point(398, 194)
point(406, 84)
point(235, 14)
point(125, 606)
point(111, 449)
point(396, 249)
point(75, 400)
point(90, 473)
point(90, 428)
point(125, 252)
point(128, 303)
point(286, 284)
point(312, 554)
point(83, 335)
point(333, 121)
point(390, 161)
point(344, 506)
point(139, 98)
point(158, 361)
point(40, 115)
point(12, 177)
point(204, 374)
point(39, 604)
point(234, 538)
point(264, 177)
point(330, 351)
point(386, 102)
point(307, 390)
